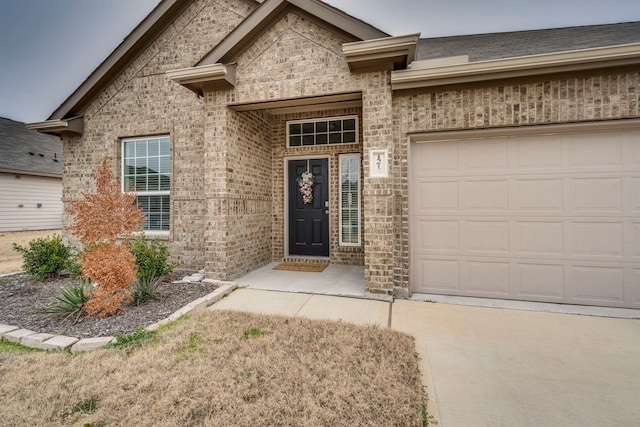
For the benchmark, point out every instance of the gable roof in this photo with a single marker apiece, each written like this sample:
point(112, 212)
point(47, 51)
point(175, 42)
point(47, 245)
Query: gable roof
point(272, 10)
point(162, 16)
point(27, 151)
point(142, 36)
point(484, 47)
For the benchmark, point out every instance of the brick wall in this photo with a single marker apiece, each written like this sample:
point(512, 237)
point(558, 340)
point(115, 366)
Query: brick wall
point(239, 190)
point(143, 101)
point(604, 95)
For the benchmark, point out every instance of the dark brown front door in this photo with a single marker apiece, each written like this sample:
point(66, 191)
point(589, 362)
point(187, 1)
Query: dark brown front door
point(309, 222)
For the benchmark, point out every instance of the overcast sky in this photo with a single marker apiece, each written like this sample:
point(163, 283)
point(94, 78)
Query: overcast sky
point(48, 47)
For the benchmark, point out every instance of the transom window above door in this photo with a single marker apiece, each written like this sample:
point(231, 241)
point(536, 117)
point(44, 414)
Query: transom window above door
point(327, 131)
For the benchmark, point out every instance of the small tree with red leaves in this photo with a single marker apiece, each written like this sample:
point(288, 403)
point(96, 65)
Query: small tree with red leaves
point(100, 220)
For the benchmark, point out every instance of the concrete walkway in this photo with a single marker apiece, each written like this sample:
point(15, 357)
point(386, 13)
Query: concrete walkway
point(495, 366)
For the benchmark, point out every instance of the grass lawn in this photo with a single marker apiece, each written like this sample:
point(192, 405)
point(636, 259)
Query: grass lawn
point(223, 368)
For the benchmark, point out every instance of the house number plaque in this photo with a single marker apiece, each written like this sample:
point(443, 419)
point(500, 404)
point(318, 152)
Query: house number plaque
point(378, 163)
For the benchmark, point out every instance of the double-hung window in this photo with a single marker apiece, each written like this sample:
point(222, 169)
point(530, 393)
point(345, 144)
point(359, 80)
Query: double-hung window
point(146, 170)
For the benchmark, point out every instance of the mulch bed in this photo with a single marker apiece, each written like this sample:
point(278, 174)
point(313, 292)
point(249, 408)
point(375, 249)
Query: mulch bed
point(23, 299)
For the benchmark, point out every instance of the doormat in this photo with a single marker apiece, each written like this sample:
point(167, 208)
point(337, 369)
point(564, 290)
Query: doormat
point(308, 267)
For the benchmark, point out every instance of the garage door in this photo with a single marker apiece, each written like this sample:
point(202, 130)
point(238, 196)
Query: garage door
point(549, 217)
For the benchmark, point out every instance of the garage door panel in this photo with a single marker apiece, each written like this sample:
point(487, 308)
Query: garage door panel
point(635, 194)
point(440, 275)
point(538, 195)
point(485, 196)
point(593, 151)
point(484, 237)
point(541, 280)
point(436, 159)
point(597, 195)
point(537, 154)
point(543, 238)
point(598, 284)
point(634, 239)
point(439, 196)
point(439, 235)
point(487, 278)
point(545, 218)
point(491, 157)
point(597, 239)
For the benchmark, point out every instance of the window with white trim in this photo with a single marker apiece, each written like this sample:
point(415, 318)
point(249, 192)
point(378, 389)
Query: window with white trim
point(349, 199)
point(326, 131)
point(146, 170)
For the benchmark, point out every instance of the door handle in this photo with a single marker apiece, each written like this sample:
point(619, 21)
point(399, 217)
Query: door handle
point(327, 211)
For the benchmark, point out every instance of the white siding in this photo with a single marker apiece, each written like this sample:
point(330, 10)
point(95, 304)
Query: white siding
point(27, 191)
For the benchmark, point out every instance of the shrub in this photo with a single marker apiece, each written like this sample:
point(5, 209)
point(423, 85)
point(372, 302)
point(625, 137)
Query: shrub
point(73, 266)
point(152, 258)
point(100, 220)
point(70, 302)
point(145, 290)
point(45, 257)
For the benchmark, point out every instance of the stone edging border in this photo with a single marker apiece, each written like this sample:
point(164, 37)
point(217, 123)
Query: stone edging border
point(44, 341)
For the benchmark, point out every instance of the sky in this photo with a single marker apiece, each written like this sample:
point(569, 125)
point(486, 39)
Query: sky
point(49, 47)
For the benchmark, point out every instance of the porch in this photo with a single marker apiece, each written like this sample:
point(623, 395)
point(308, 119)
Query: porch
point(337, 280)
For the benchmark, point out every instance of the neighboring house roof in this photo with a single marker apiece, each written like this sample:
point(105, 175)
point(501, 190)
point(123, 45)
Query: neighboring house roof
point(483, 47)
point(27, 151)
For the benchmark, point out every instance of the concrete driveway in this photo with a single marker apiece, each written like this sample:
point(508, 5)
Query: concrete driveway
point(500, 367)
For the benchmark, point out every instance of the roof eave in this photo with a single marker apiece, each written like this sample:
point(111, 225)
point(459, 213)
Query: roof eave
point(551, 63)
point(31, 173)
point(205, 77)
point(383, 53)
point(58, 127)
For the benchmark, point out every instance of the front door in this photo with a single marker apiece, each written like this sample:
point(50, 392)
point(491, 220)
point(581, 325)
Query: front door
point(309, 220)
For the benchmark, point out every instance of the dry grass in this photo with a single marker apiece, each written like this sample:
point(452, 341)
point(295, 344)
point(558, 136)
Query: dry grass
point(224, 368)
point(10, 260)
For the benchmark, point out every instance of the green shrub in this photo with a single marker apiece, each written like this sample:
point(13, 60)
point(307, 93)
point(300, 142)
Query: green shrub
point(70, 302)
point(152, 258)
point(45, 257)
point(73, 265)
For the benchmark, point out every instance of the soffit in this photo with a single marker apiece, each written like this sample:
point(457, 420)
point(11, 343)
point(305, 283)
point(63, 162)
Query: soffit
point(299, 105)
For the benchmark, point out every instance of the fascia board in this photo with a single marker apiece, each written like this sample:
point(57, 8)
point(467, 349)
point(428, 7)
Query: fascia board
point(584, 59)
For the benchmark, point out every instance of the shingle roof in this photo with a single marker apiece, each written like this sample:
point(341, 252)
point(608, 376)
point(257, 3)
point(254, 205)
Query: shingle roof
point(29, 151)
point(482, 47)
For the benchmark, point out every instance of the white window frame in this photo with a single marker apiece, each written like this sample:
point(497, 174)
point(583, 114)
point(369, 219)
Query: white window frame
point(353, 157)
point(324, 119)
point(147, 193)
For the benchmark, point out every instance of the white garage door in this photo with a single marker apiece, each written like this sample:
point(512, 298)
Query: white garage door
point(552, 217)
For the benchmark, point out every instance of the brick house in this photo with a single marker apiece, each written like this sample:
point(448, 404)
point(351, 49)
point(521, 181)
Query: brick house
point(499, 165)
